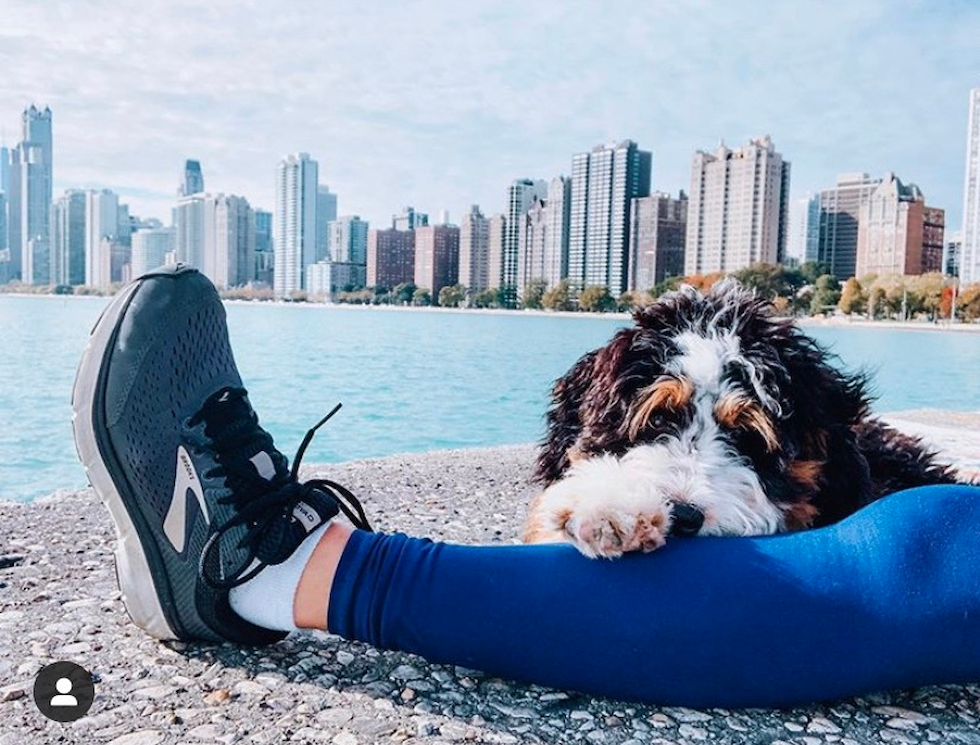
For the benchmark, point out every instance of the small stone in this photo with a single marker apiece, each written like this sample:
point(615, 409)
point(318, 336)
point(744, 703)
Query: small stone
point(822, 726)
point(335, 716)
point(405, 672)
point(693, 733)
point(793, 726)
point(249, 688)
point(143, 737)
point(209, 732)
point(344, 737)
point(407, 695)
point(218, 697)
point(344, 657)
point(12, 694)
point(155, 692)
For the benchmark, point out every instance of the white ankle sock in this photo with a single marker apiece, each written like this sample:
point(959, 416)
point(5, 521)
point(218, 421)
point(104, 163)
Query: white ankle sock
point(267, 599)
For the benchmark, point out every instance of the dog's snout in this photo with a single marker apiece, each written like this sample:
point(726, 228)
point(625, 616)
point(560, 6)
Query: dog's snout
point(687, 520)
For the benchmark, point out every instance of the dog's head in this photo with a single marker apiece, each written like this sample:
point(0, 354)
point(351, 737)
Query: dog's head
point(740, 403)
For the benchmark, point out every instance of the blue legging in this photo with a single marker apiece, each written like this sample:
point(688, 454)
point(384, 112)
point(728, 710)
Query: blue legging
point(888, 598)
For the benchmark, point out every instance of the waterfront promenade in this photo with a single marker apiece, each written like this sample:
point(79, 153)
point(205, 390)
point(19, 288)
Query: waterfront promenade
point(58, 600)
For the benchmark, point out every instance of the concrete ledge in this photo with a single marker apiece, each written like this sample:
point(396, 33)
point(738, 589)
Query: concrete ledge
point(58, 600)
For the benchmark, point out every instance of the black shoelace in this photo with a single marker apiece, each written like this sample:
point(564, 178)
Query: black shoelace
point(263, 505)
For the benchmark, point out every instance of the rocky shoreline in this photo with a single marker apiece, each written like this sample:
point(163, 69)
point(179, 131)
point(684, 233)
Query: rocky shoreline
point(58, 600)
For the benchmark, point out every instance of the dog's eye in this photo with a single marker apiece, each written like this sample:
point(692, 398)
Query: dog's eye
point(658, 421)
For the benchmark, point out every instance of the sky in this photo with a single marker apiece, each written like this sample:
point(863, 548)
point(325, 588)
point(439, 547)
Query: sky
point(441, 104)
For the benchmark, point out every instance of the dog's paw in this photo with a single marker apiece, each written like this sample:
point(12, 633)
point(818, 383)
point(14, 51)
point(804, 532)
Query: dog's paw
point(609, 534)
point(604, 508)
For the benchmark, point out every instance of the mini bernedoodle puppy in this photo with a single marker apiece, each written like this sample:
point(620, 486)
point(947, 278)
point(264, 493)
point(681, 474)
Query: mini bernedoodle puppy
point(712, 416)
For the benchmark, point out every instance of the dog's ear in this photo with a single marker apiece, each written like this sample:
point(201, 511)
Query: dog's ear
point(589, 408)
point(563, 421)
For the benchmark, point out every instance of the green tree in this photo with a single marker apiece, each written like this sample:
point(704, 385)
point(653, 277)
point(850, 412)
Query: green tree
point(810, 271)
point(968, 303)
point(596, 299)
point(404, 293)
point(484, 299)
point(826, 294)
point(451, 296)
point(421, 297)
point(664, 286)
point(560, 297)
point(533, 294)
point(766, 279)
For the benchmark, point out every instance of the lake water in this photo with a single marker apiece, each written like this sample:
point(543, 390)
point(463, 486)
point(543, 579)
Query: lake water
point(409, 380)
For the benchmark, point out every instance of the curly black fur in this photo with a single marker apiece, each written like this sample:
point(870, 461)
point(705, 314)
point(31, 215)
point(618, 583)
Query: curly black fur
point(832, 458)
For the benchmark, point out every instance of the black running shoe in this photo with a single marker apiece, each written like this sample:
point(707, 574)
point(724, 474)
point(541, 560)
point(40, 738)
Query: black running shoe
point(201, 498)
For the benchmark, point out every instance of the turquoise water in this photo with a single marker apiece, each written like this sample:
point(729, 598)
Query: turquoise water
point(409, 381)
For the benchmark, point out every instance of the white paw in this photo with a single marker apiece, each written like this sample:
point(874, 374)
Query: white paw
point(604, 508)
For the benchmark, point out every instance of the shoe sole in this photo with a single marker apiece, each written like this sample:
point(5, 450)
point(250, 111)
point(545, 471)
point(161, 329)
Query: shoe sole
point(137, 582)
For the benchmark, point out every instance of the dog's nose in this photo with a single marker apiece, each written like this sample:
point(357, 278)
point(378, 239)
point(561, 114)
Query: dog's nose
point(687, 520)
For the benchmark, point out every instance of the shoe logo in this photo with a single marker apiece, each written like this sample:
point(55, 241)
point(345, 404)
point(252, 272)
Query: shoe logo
point(186, 486)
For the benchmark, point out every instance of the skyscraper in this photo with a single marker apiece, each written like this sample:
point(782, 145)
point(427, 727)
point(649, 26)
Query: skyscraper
point(348, 241)
point(969, 258)
point(603, 183)
point(658, 230)
point(739, 208)
point(474, 240)
point(294, 221)
point(193, 182)
point(520, 196)
point(68, 239)
point(101, 224)
point(29, 201)
point(840, 208)
point(495, 251)
point(326, 213)
point(189, 224)
point(4, 195)
point(229, 240)
point(804, 230)
point(409, 219)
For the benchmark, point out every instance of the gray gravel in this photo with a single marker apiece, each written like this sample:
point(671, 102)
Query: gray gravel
point(58, 600)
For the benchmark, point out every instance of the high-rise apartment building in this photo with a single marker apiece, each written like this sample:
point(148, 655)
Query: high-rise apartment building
point(390, 257)
point(658, 231)
point(294, 221)
point(520, 196)
point(348, 242)
point(30, 180)
point(216, 234)
point(840, 209)
point(189, 225)
point(738, 210)
point(151, 247)
point(804, 231)
point(101, 225)
point(326, 213)
point(4, 192)
point(264, 256)
point(897, 232)
point(495, 251)
point(474, 243)
point(229, 240)
point(951, 254)
point(193, 182)
point(970, 254)
point(68, 239)
point(604, 181)
point(436, 257)
point(543, 239)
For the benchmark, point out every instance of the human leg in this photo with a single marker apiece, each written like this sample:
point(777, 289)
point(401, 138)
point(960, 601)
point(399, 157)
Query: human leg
point(888, 598)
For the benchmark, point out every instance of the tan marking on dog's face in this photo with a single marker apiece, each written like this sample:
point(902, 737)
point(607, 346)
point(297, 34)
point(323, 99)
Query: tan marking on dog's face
point(736, 411)
point(664, 394)
point(806, 473)
point(574, 455)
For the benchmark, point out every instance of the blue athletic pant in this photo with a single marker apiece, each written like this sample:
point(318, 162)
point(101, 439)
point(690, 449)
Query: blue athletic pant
point(888, 598)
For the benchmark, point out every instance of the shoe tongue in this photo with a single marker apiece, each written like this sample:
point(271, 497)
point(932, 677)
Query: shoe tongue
point(283, 535)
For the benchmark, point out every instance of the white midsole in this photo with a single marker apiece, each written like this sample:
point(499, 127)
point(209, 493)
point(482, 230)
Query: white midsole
point(132, 568)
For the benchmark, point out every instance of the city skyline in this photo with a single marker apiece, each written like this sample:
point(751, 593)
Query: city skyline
point(450, 128)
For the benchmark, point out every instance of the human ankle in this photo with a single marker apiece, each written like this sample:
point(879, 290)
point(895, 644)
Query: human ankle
point(311, 601)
